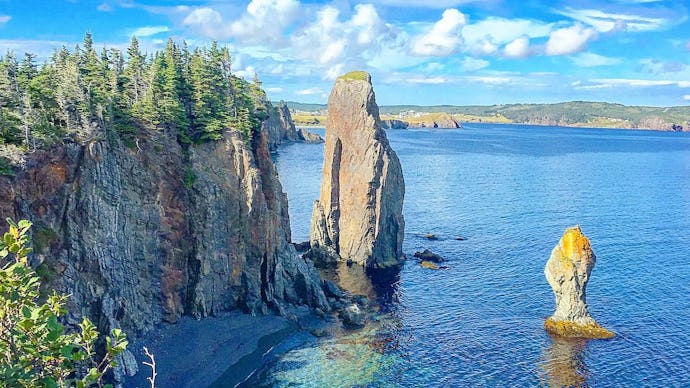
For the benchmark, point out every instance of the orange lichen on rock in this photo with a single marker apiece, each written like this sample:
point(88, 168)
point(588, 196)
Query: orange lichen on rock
point(429, 265)
point(573, 329)
point(574, 242)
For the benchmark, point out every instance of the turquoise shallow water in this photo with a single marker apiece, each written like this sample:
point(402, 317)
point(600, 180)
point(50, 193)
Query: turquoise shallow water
point(511, 191)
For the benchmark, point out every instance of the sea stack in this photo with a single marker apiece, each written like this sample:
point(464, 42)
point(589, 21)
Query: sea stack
point(568, 271)
point(358, 216)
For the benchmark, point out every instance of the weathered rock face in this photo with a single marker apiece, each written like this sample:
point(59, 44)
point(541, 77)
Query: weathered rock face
point(567, 271)
point(359, 213)
point(394, 124)
point(280, 129)
point(144, 235)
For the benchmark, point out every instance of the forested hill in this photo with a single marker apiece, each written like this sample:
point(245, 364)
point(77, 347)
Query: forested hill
point(190, 94)
point(577, 113)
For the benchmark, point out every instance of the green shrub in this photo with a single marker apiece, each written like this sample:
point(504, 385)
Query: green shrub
point(35, 349)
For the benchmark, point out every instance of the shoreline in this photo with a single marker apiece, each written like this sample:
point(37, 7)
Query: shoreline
point(196, 353)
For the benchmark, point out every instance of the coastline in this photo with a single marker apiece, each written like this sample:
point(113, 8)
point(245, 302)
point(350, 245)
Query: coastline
point(196, 353)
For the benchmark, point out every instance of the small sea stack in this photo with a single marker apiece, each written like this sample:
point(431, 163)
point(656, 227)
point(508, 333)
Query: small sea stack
point(358, 216)
point(567, 271)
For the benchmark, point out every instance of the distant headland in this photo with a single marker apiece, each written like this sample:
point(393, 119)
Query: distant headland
point(566, 114)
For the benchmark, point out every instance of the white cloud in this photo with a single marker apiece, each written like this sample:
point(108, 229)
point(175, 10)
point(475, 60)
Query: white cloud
point(686, 97)
point(599, 83)
point(444, 38)
point(427, 80)
point(438, 4)
point(489, 80)
point(247, 73)
point(4, 19)
point(502, 31)
point(569, 40)
point(309, 92)
point(149, 31)
point(264, 21)
point(104, 7)
point(594, 60)
point(473, 64)
point(274, 90)
point(484, 47)
point(519, 48)
point(208, 21)
point(605, 22)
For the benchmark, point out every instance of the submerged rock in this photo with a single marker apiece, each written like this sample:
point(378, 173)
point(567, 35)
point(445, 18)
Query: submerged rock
point(430, 236)
point(428, 255)
point(353, 317)
point(429, 265)
point(358, 216)
point(567, 271)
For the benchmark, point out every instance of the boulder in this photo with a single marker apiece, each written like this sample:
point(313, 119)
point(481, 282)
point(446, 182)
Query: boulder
point(353, 317)
point(567, 271)
point(359, 212)
point(428, 255)
point(302, 247)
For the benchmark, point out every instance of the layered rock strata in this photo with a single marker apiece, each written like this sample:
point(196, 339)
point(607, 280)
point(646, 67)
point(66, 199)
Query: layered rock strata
point(567, 271)
point(148, 234)
point(358, 216)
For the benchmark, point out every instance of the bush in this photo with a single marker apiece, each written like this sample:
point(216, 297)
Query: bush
point(35, 349)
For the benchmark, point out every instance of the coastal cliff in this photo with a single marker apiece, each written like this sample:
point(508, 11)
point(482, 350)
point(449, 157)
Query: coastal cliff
point(138, 236)
point(280, 129)
point(358, 216)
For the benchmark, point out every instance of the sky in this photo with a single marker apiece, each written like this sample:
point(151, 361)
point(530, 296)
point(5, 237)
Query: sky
point(423, 52)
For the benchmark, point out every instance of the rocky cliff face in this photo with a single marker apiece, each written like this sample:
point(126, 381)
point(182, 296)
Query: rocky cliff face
point(144, 235)
point(359, 213)
point(567, 271)
point(279, 129)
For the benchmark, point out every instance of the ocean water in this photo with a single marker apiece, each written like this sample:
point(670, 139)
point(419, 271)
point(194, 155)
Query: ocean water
point(511, 191)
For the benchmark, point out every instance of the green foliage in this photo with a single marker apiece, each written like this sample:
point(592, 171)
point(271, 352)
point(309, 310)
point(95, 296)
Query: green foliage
point(189, 178)
point(35, 349)
point(5, 168)
point(190, 95)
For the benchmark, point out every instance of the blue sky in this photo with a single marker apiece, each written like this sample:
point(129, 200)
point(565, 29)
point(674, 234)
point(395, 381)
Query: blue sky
point(426, 52)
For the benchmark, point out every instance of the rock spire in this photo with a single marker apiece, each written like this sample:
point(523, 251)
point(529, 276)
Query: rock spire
point(358, 216)
point(567, 271)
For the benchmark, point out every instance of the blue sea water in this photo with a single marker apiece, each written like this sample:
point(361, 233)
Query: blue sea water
point(511, 191)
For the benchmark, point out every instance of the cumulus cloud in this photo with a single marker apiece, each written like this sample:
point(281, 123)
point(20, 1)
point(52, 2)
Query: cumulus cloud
point(686, 97)
point(208, 21)
point(519, 48)
point(569, 40)
point(4, 19)
point(264, 21)
point(444, 38)
point(484, 47)
point(336, 44)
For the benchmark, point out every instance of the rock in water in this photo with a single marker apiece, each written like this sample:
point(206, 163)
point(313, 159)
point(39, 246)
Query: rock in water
point(359, 214)
point(568, 271)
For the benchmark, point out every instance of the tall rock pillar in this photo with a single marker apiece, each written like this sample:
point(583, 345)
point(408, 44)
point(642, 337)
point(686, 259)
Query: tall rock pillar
point(358, 216)
point(567, 271)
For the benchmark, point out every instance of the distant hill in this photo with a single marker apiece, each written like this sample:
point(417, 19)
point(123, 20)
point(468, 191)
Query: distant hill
point(576, 113)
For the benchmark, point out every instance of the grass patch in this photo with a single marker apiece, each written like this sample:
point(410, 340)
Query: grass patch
point(355, 76)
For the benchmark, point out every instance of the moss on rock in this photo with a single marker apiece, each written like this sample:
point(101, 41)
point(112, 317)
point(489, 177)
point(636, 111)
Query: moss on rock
point(572, 329)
